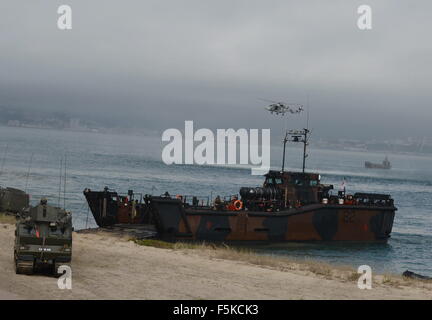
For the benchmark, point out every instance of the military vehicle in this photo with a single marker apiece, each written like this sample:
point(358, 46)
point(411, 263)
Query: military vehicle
point(289, 206)
point(43, 238)
point(13, 200)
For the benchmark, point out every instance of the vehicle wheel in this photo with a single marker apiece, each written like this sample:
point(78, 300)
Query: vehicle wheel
point(24, 267)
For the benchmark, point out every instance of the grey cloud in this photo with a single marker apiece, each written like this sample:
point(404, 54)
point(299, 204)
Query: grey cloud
point(157, 63)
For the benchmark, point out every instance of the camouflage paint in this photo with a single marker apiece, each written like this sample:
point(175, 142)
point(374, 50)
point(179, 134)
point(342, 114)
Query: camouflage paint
point(314, 222)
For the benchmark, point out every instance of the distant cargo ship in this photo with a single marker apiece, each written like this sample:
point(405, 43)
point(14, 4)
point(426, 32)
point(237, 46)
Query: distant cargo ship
point(384, 165)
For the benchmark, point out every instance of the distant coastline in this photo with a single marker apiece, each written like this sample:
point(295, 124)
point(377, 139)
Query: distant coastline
point(321, 144)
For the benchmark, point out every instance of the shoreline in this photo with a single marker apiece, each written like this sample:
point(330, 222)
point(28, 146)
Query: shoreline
point(157, 135)
point(110, 266)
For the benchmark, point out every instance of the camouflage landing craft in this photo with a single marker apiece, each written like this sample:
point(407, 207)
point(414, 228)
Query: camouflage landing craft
point(289, 206)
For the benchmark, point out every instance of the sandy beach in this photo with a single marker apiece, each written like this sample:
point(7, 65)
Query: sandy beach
point(106, 266)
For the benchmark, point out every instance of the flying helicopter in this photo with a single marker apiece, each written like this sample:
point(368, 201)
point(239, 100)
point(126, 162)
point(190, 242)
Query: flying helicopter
point(283, 107)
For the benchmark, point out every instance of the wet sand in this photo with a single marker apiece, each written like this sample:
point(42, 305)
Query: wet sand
point(106, 266)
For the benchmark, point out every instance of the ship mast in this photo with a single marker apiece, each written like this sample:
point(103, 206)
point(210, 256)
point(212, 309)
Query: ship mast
point(297, 136)
point(305, 143)
point(285, 140)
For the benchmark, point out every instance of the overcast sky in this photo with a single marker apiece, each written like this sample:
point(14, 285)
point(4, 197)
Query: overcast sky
point(157, 63)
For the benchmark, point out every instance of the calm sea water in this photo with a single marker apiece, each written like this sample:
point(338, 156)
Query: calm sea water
point(134, 162)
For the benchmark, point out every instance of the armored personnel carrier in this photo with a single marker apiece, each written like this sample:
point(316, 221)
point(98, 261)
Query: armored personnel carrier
point(43, 237)
point(13, 200)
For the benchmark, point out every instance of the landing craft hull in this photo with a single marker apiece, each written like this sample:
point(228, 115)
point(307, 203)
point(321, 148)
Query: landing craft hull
point(317, 222)
point(107, 210)
point(310, 223)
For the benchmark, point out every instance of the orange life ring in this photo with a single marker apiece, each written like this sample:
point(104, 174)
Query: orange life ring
point(238, 205)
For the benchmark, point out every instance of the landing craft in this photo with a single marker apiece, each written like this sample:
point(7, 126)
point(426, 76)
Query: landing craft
point(289, 206)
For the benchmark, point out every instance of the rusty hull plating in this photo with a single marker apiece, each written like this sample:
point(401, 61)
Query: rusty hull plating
point(290, 206)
